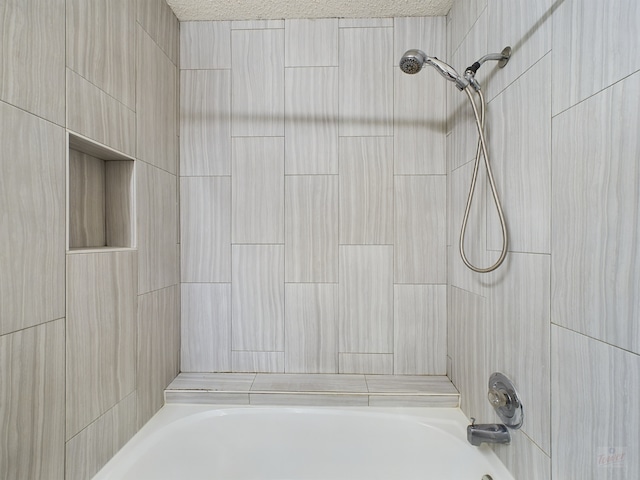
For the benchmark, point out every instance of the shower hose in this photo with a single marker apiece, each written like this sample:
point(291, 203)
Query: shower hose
point(482, 151)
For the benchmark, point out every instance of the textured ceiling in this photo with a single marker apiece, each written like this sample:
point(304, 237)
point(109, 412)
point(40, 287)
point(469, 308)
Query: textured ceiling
point(187, 10)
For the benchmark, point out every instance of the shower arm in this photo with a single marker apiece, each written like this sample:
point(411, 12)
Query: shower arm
point(502, 58)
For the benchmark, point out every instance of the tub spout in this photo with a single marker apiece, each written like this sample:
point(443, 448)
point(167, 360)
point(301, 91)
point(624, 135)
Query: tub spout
point(487, 433)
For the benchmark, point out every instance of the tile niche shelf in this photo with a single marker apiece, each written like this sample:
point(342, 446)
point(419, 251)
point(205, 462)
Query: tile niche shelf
point(101, 197)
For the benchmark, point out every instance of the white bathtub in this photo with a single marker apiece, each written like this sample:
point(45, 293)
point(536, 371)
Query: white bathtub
point(193, 442)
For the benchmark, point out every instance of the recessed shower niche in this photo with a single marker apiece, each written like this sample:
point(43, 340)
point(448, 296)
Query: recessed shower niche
point(101, 204)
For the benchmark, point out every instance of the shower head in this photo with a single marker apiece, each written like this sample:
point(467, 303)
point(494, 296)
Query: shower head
point(413, 60)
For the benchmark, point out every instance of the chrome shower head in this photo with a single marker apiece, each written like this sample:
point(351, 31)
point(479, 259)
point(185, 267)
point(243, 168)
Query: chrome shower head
point(413, 60)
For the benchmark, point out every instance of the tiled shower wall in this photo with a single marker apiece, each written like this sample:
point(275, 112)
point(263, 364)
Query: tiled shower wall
point(88, 341)
point(561, 316)
point(313, 198)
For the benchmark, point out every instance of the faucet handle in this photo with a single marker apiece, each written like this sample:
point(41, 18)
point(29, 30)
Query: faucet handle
point(497, 398)
point(473, 421)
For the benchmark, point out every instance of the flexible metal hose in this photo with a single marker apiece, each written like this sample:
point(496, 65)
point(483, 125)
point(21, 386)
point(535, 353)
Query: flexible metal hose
point(482, 150)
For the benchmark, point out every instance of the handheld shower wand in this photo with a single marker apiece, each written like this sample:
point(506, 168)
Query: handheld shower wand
point(411, 63)
point(413, 60)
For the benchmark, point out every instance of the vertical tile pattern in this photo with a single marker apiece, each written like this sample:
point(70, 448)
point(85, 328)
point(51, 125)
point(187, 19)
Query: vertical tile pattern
point(205, 45)
point(206, 327)
point(119, 177)
point(94, 114)
point(257, 77)
point(605, 379)
point(32, 59)
point(311, 234)
point(32, 402)
point(320, 203)
point(32, 192)
point(519, 303)
point(205, 129)
point(523, 167)
point(311, 130)
point(205, 229)
point(157, 218)
point(258, 298)
point(596, 278)
point(366, 363)
point(366, 299)
point(366, 190)
point(261, 362)
point(92, 448)
point(158, 20)
point(366, 81)
point(468, 344)
point(257, 190)
point(99, 38)
point(420, 329)
point(311, 42)
point(311, 328)
point(420, 229)
point(605, 50)
point(158, 359)
point(86, 201)
point(418, 126)
point(101, 334)
point(156, 106)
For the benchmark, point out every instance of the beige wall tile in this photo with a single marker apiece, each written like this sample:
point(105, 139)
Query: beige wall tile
point(366, 81)
point(267, 362)
point(311, 328)
point(604, 421)
point(96, 115)
point(100, 34)
point(33, 59)
point(258, 299)
point(101, 334)
point(366, 190)
point(87, 226)
point(519, 306)
point(366, 299)
point(93, 447)
point(521, 161)
point(311, 42)
point(157, 217)
point(311, 126)
point(156, 106)
point(528, 34)
point(596, 203)
point(32, 225)
point(420, 229)
point(32, 403)
point(205, 126)
point(205, 229)
point(611, 28)
point(257, 190)
point(257, 79)
point(158, 348)
point(311, 228)
point(524, 458)
point(419, 122)
point(420, 329)
point(366, 363)
point(257, 24)
point(159, 21)
point(469, 345)
point(206, 327)
point(120, 205)
point(205, 45)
